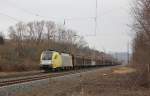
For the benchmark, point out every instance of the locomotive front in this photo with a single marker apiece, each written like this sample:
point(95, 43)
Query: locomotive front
point(50, 60)
point(46, 60)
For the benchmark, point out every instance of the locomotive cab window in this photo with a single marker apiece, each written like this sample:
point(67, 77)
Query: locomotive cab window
point(47, 56)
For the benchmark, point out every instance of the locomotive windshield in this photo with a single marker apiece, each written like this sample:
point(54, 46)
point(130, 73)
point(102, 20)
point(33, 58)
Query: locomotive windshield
point(47, 55)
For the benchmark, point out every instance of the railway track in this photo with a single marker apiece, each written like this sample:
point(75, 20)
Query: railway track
point(19, 74)
point(11, 81)
point(28, 79)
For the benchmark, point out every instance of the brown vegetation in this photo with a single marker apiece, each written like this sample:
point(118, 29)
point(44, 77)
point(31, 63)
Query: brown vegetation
point(26, 41)
point(141, 43)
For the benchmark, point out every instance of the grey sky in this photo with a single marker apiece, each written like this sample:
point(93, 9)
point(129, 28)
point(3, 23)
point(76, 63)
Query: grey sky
point(113, 17)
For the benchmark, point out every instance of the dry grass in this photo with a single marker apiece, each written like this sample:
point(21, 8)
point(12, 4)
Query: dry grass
point(99, 83)
point(10, 61)
point(124, 70)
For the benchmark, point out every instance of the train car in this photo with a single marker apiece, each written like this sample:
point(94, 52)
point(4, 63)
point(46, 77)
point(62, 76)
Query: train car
point(83, 61)
point(93, 63)
point(67, 62)
point(78, 61)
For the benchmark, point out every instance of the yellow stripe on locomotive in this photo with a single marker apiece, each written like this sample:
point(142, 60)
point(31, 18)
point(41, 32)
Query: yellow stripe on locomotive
point(56, 60)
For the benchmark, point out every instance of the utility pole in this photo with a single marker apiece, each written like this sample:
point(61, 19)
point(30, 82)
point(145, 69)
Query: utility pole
point(128, 51)
point(96, 7)
point(64, 22)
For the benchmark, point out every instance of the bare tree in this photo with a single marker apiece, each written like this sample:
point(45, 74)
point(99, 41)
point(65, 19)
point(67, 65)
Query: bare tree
point(31, 32)
point(51, 32)
point(141, 44)
point(39, 28)
point(61, 34)
point(18, 34)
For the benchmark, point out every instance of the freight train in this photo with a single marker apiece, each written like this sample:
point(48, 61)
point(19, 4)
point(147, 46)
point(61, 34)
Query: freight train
point(55, 60)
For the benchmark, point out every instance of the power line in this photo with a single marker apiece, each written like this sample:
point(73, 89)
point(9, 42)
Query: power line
point(22, 9)
point(38, 15)
point(13, 18)
point(65, 19)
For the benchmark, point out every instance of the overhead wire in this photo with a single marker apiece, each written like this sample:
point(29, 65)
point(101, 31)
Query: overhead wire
point(13, 18)
point(64, 19)
point(21, 8)
point(71, 18)
point(39, 15)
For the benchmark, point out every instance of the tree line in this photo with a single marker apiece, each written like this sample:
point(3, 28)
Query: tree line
point(27, 40)
point(43, 32)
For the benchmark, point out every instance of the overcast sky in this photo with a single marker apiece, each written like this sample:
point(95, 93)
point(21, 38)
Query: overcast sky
point(112, 33)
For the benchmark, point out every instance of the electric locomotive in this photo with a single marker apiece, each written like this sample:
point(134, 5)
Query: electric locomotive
point(55, 60)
